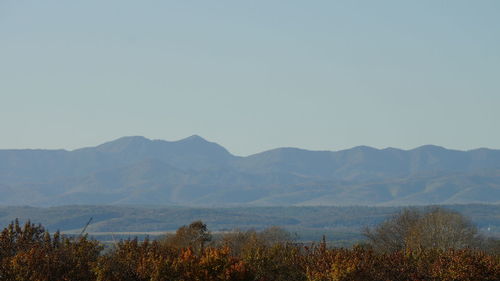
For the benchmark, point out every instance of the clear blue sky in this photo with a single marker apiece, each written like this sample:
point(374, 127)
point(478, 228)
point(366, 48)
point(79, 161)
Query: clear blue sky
point(251, 75)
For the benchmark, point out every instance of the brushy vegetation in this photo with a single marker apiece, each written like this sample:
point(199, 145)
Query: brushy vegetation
point(30, 253)
point(310, 223)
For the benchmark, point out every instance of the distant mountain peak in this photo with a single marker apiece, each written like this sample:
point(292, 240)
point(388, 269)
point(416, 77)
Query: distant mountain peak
point(195, 143)
point(192, 170)
point(430, 147)
point(364, 148)
point(123, 143)
point(129, 139)
point(193, 138)
point(133, 139)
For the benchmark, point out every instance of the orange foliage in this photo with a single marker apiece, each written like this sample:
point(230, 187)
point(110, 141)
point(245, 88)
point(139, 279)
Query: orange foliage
point(31, 253)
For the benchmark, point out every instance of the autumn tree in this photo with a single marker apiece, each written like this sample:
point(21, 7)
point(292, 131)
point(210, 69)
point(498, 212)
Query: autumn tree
point(240, 241)
point(30, 252)
point(195, 235)
point(436, 228)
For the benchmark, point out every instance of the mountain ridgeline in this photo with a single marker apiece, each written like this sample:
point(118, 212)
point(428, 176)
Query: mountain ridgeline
point(196, 172)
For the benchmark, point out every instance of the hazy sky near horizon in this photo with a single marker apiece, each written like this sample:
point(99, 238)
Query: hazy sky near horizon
point(251, 75)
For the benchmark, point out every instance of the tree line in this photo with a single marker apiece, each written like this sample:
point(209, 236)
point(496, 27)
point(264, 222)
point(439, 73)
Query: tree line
point(435, 244)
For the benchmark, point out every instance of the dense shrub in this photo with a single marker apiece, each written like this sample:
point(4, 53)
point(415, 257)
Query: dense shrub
point(133, 261)
point(435, 228)
point(364, 264)
point(31, 253)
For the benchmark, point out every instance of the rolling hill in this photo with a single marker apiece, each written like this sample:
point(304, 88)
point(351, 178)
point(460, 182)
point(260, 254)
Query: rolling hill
point(196, 172)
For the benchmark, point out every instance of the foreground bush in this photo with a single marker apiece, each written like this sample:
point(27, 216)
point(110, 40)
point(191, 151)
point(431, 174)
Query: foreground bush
point(434, 228)
point(365, 264)
point(151, 261)
point(31, 253)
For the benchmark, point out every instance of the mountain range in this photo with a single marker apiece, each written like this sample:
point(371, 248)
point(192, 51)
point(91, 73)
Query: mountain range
point(196, 172)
